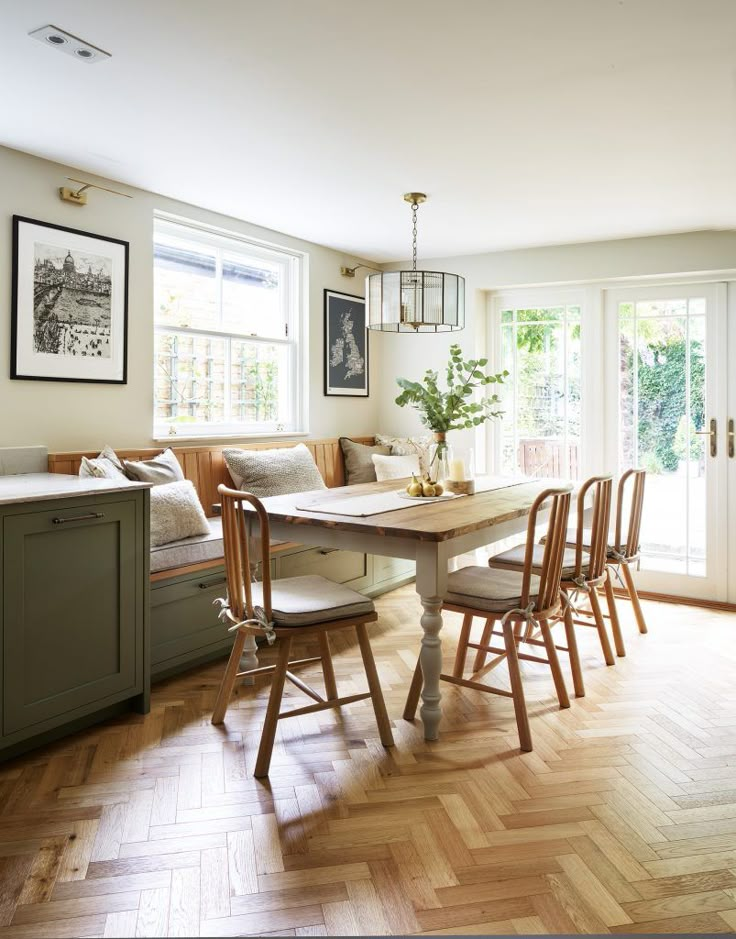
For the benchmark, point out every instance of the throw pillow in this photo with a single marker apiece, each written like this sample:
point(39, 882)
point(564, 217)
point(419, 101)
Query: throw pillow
point(401, 446)
point(176, 513)
point(273, 472)
point(359, 467)
point(106, 465)
point(395, 467)
point(160, 469)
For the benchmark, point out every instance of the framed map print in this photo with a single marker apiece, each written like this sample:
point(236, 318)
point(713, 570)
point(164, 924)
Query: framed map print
point(69, 317)
point(346, 345)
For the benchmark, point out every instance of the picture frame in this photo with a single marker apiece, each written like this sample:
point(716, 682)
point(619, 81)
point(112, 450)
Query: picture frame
point(69, 311)
point(346, 371)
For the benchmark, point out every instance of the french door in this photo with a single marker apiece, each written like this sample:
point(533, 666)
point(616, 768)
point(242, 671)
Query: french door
point(667, 411)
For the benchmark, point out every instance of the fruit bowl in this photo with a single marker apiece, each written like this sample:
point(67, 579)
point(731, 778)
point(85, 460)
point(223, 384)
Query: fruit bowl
point(443, 498)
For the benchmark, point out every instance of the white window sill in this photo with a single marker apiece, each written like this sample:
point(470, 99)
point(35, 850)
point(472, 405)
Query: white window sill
point(173, 439)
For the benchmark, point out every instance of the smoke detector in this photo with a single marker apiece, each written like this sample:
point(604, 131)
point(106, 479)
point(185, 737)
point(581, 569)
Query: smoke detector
point(72, 45)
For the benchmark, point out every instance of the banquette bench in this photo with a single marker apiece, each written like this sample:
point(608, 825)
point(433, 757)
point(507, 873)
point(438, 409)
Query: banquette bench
point(187, 576)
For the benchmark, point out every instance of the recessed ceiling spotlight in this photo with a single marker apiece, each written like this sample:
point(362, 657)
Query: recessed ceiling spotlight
point(68, 43)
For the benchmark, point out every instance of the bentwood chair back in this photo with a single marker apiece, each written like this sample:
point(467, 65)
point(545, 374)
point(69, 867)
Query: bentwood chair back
point(627, 541)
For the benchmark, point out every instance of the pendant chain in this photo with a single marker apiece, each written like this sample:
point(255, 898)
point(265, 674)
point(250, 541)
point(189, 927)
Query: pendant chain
point(414, 210)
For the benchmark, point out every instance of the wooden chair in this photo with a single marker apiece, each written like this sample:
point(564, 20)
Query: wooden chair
point(294, 606)
point(584, 571)
point(517, 599)
point(625, 552)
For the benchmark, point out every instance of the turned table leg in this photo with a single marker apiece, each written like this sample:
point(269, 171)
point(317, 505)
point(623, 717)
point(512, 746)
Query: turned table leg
point(431, 585)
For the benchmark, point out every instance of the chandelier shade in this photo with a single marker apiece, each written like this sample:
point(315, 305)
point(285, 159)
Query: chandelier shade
point(415, 301)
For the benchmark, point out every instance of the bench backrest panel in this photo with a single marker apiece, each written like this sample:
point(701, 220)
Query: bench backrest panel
point(205, 466)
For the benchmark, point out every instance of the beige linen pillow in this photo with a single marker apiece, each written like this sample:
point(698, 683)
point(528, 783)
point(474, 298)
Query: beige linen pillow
point(176, 513)
point(401, 446)
point(106, 465)
point(395, 467)
point(359, 466)
point(160, 469)
point(273, 472)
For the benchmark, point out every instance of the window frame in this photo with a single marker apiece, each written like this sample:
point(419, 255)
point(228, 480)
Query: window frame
point(293, 283)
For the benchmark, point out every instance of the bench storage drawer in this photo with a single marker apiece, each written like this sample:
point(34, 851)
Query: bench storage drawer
point(342, 567)
point(183, 619)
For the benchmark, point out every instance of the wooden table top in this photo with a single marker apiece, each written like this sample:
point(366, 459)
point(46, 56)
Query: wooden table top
point(439, 521)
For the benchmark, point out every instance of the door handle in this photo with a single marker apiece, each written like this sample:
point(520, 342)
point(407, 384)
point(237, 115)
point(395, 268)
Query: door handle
point(731, 435)
point(713, 434)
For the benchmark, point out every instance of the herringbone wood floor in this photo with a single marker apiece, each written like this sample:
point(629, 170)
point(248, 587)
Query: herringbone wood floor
point(623, 819)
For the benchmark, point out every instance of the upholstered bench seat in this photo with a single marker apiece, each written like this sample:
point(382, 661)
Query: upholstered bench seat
point(496, 591)
point(305, 601)
point(196, 550)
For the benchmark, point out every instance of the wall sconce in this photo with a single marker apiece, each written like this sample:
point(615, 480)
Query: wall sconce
point(79, 196)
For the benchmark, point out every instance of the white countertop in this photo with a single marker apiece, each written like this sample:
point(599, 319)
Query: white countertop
point(35, 487)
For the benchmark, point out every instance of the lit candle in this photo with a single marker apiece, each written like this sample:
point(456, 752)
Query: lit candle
point(457, 471)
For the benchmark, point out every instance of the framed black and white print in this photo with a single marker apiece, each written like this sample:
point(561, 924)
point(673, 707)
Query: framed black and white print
point(69, 318)
point(346, 345)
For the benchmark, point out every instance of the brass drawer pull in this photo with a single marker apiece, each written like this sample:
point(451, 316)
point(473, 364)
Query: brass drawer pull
point(77, 518)
point(212, 583)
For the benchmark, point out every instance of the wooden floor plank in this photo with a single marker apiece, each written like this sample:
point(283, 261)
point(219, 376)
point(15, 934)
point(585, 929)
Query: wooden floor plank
point(621, 820)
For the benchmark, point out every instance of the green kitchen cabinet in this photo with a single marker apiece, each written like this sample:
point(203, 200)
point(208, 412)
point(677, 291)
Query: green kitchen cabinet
point(74, 612)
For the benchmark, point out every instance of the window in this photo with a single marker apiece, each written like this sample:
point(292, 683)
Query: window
point(226, 334)
point(540, 430)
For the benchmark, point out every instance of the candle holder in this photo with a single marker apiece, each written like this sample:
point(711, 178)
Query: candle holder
point(461, 471)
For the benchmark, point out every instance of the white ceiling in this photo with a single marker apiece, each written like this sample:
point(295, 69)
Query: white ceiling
point(527, 122)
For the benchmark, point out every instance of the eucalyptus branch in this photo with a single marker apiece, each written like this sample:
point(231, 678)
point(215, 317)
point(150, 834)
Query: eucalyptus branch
point(450, 410)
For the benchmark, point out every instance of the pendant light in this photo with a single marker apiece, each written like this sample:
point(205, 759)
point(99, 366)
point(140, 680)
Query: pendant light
point(415, 301)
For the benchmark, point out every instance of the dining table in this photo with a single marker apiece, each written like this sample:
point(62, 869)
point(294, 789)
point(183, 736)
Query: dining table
point(375, 518)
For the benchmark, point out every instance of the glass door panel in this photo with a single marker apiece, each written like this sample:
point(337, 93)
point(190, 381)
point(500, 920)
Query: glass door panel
point(669, 369)
point(540, 433)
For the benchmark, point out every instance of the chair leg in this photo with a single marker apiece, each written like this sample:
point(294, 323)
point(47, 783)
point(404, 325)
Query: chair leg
point(480, 658)
point(415, 689)
point(634, 597)
point(462, 646)
point(618, 639)
point(572, 645)
point(601, 627)
point(554, 664)
point(374, 685)
point(327, 668)
point(228, 679)
point(263, 761)
point(517, 688)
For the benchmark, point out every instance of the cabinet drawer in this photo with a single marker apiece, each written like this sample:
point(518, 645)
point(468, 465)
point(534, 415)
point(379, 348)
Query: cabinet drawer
point(70, 601)
point(335, 565)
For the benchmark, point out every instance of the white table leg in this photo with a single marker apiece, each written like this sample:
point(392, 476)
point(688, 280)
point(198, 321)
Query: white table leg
point(249, 659)
point(431, 585)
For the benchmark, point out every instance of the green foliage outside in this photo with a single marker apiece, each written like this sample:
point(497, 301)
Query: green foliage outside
point(664, 437)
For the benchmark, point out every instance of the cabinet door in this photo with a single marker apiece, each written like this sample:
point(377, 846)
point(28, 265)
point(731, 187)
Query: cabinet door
point(69, 610)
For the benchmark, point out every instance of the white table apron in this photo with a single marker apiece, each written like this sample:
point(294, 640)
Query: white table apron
point(431, 584)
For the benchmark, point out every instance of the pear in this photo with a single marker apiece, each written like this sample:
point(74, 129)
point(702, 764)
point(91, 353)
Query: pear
point(427, 488)
point(438, 490)
point(415, 487)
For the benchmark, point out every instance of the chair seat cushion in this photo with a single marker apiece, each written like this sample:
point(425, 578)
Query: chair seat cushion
point(484, 589)
point(309, 600)
point(515, 556)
